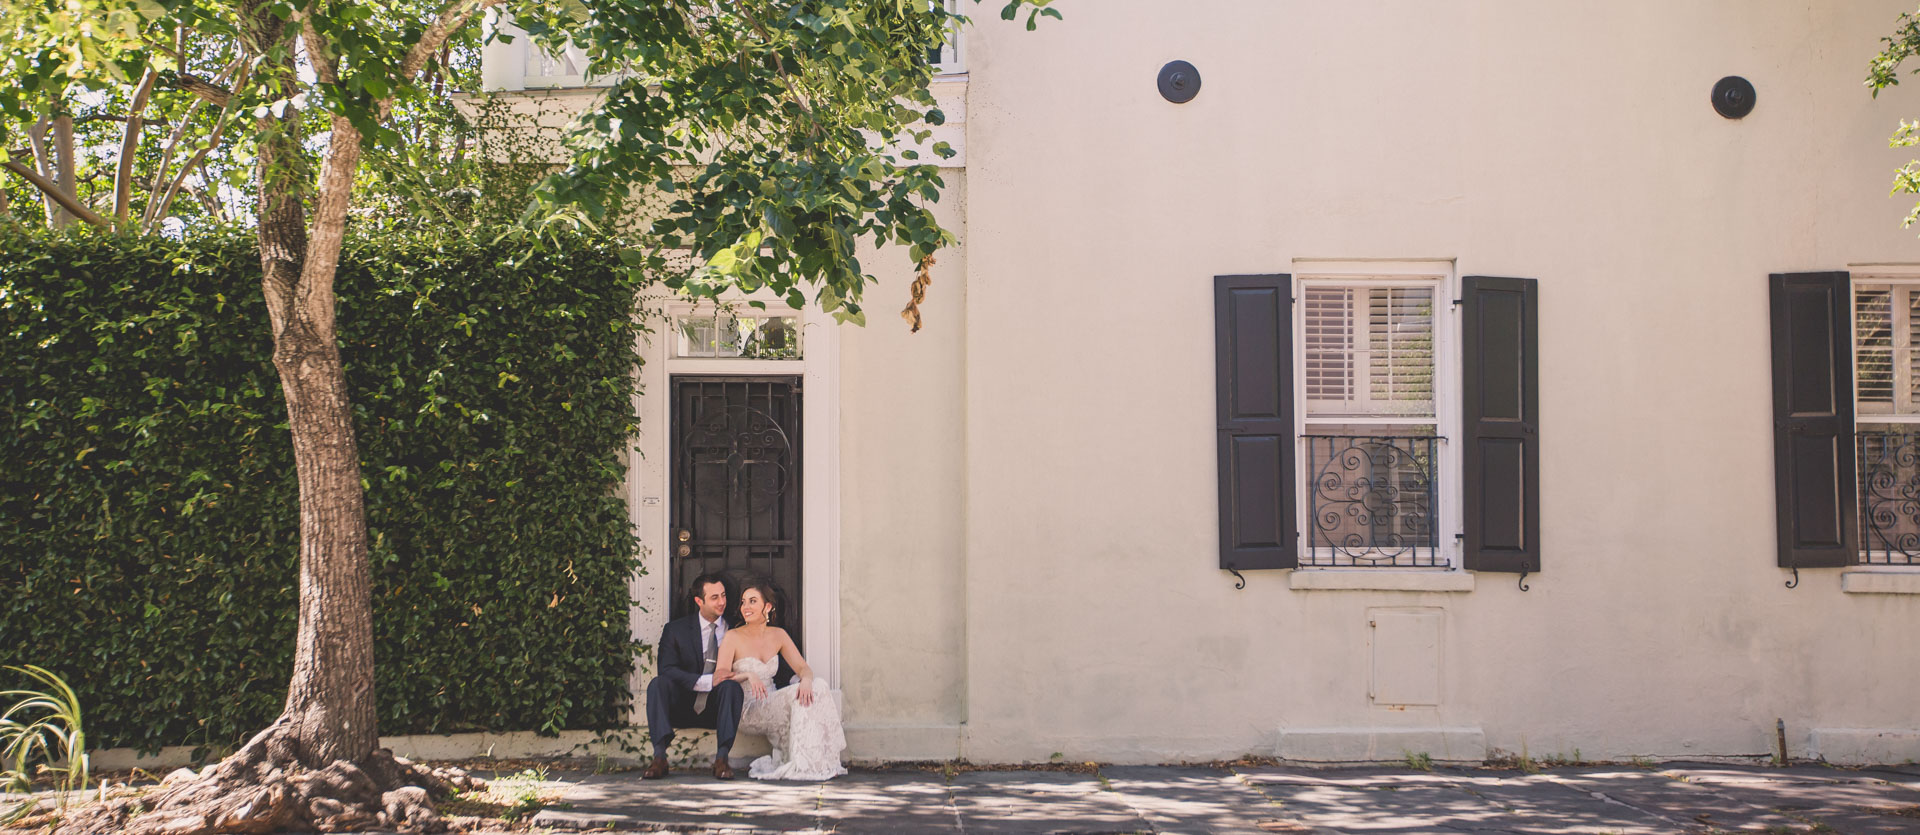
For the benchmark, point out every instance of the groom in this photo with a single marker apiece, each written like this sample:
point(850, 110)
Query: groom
point(684, 695)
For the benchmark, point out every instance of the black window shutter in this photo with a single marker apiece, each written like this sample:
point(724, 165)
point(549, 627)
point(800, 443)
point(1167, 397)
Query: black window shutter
point(1253, 374)
point(1813, 443)
point(1500, 388)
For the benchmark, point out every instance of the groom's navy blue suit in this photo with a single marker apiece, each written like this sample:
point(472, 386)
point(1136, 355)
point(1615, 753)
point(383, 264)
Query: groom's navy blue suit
point(670, 696)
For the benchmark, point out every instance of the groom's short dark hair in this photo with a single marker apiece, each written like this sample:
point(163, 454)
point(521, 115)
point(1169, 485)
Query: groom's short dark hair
point(698, 588)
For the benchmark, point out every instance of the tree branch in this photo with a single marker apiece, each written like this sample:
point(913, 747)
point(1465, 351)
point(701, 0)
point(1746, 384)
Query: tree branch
point(156, 199)
point(48, 188)
point(203, 88)
point(157, 209)
point(454, 16)
point(324, 69)
point(129, 144)
point(65, 172)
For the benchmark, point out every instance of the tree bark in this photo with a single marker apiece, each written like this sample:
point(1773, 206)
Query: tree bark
point(66, 178)
point(329, 712)
point(130, 147)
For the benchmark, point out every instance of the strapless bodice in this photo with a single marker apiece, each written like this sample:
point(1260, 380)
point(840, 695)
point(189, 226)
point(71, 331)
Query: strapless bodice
point(759, 668)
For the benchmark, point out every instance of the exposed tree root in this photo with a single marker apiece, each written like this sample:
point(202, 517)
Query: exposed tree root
point(264, 788)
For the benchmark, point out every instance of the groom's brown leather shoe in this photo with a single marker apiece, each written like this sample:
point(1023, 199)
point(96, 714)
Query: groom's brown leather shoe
point(655, 771)
point(721, 770)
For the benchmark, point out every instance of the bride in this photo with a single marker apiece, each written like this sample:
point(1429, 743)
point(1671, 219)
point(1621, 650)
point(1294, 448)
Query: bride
point(802, 726)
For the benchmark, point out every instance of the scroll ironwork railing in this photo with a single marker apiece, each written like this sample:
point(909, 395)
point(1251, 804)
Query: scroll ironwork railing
point(1890, 496)
point(1372, 501)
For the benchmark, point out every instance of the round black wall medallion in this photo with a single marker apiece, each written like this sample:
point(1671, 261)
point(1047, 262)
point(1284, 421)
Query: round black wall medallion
point(1733, 97)
point(1179, 82)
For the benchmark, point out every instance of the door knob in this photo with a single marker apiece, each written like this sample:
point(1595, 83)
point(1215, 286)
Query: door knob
point(685, 535)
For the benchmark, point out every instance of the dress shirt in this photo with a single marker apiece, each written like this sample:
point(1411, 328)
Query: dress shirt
point(705, 682)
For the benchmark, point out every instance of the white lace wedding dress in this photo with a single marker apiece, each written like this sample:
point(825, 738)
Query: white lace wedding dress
point(807, 740)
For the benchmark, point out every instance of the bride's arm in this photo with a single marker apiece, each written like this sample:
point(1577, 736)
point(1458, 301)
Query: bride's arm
point(800, 669)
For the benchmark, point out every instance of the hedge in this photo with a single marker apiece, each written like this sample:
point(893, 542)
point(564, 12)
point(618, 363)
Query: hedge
point(148, 503)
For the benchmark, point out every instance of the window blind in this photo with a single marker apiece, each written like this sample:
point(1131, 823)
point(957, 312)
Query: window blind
point(1369, 351)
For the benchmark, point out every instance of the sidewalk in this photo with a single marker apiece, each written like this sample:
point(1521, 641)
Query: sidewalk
point(1196, 799)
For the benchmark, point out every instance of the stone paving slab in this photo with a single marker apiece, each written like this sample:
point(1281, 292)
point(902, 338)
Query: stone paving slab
point(1197, 801)
point(1383, 804)
point(1843, 800)
point(1696, 805)
point(1041, 802)
point(1538, 804)
point(622, 801)
point(888, 802)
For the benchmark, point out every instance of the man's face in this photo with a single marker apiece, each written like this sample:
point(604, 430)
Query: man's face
point(713, 601)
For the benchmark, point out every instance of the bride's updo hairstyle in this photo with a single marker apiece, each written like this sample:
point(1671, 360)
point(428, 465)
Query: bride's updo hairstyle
point(768, 593)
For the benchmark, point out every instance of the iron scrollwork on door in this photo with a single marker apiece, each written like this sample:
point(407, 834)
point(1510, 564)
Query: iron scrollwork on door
point(756, 452)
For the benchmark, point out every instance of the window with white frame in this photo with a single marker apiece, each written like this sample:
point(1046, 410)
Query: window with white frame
point(743, 334)
point(1886, 334)
point(947, 59)
point(1374, 370)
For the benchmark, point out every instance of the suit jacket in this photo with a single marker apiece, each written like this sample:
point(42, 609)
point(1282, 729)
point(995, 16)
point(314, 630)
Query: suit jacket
point(681, 661)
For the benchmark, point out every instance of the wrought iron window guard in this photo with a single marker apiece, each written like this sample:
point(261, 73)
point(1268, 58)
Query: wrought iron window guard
point(1890, 496)
point(1372, 501)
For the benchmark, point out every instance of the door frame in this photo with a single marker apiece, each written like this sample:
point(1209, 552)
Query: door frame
point(649, 478)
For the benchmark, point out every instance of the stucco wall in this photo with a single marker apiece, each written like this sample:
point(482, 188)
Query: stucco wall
point(903, 549)
point(1573, 143)
point(1027, 542)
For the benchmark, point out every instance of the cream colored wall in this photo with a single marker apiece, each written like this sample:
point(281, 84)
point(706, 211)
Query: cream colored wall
point(1028, 530)
point(902, 547)
point(1569, 142)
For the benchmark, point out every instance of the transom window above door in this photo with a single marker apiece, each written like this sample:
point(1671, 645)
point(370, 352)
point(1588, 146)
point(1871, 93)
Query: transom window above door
point(743, 334)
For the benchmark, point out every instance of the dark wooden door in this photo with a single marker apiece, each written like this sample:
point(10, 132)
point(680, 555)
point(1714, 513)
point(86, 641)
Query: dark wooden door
point(736, 487)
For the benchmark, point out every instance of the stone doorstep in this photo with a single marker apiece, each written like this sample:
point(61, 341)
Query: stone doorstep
point(694, 747)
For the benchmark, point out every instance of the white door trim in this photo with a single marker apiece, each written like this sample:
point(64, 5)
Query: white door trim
point(649, 486)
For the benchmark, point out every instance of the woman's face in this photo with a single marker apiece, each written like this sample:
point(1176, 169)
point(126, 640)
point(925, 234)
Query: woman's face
point(752, 606)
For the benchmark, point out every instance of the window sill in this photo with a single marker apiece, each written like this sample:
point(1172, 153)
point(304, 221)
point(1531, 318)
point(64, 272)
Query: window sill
point(1378, 580)
point(1880, 582)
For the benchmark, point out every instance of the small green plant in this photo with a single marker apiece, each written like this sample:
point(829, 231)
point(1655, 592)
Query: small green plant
point(526, 799)
point(1056, 757)
point(1524, 761)
point(1420, 761)
point(43, 728)
point(1562, 760)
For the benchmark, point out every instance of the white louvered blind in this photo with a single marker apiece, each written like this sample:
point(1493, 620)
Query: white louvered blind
point(1369, 351)
point(1886, 330)
point(1873, 349)
point(1329, 346)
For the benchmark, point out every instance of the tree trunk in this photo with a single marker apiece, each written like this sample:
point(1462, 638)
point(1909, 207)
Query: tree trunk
point(330, 707)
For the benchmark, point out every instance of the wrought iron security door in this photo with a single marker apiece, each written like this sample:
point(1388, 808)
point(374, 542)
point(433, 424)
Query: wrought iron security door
point(736, 486)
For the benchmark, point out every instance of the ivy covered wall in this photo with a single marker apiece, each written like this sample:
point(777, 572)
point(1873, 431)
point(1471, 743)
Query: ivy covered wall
point(149, 509)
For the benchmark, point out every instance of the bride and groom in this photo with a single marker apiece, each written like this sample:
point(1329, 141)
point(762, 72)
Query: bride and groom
point(746, 675)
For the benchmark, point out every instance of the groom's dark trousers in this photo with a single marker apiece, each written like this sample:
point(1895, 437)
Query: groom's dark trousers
point(670, 696)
